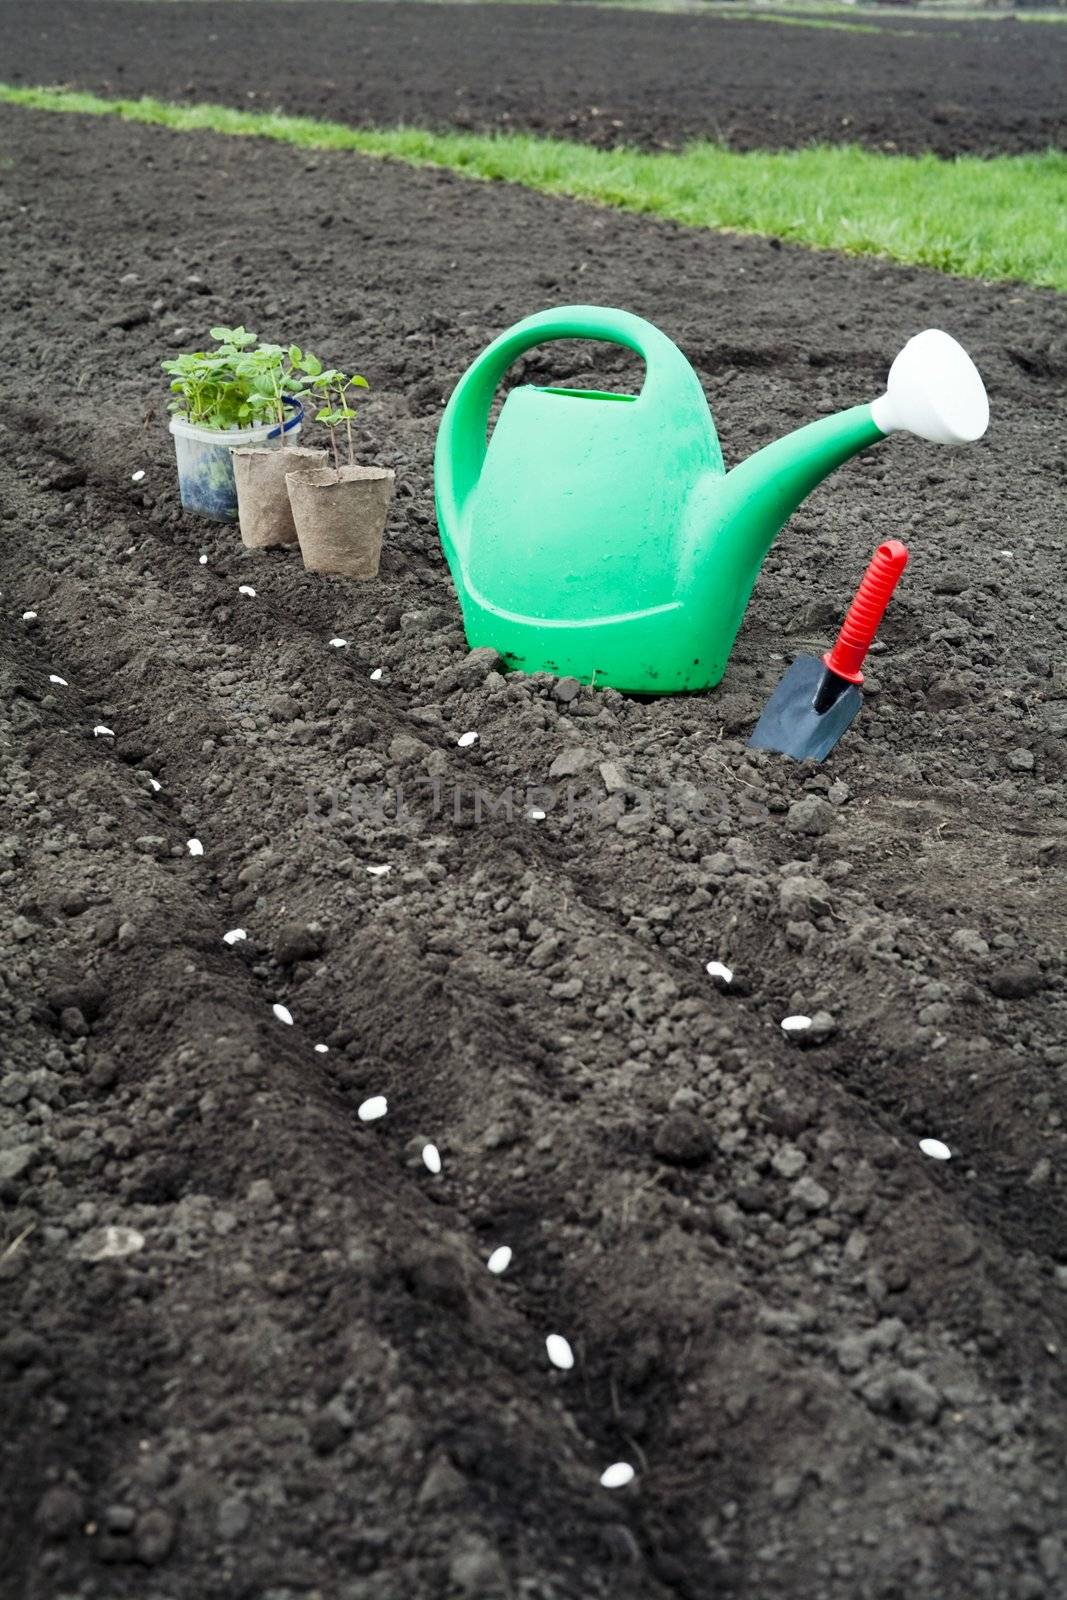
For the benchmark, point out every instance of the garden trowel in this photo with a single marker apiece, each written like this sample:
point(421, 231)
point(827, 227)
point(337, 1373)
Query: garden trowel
point(818, 697)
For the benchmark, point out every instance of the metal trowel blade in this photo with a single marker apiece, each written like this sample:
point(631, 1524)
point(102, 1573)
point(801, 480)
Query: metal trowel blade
point(790, 723)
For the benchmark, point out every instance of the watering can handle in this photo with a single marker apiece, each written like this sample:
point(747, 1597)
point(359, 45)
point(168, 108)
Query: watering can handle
point(461, 439)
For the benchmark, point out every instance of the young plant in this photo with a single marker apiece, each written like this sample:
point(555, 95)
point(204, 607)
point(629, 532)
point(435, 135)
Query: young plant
point(331, 390)
point(279, 376)
point(236, 386)
point(211, 387)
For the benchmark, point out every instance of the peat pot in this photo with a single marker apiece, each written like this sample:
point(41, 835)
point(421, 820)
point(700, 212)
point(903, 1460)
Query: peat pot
point(205, 466)
point(263, 507)
point(340, 516)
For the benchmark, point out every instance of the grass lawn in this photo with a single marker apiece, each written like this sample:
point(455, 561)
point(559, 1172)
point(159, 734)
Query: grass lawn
point(1000, 218)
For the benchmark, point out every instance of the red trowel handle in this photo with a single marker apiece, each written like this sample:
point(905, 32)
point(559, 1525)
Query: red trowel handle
point(866, 611)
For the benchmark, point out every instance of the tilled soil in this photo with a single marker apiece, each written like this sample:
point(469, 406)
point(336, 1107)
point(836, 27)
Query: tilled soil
point(836, 1365)
point(611, 77)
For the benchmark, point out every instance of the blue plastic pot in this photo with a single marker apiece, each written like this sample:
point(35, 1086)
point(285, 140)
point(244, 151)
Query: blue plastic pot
point(205, 466)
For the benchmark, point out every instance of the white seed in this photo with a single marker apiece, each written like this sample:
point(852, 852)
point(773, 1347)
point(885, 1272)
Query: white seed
point(323, 1049)
point(934, 1147)
point(373, 1108)
point(796, 1024)
point(155, 784)
point(431, 1157)
point(559, 1352)
point(536, 814)
point(716, 969)
point(234, 936)
point(28, 616)
point(246, 588)
point(376, 675)
point(135, 477)
point(100, 731)
point(338, 644)
point(53, 677)
point(108, 1244)
point(617, 1476)
point(282, 1013)
point(379, 872)
point(500, 1260)
point(195, 847)
point(465, 740)
point(203, 561)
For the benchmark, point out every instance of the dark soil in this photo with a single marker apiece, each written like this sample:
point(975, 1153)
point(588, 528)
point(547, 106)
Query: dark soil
point(612, 77)
point(836, 1365)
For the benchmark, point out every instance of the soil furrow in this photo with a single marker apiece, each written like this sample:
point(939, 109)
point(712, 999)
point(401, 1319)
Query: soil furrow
point(169, 566)
point(255, 1090)
point(834, 1363)
point(362, 972)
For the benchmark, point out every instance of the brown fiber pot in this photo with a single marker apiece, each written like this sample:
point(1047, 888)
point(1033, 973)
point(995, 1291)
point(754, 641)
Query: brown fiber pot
point(263, 507)
point(340, 516)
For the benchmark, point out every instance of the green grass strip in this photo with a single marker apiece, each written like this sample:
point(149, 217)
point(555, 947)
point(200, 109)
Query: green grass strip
point(779, 11)
point(1004, 218)
point(729, 12)
point(783, 21)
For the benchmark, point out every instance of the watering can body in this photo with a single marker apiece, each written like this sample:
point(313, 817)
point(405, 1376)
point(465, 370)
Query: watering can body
point(572, 548)
point(598, 535)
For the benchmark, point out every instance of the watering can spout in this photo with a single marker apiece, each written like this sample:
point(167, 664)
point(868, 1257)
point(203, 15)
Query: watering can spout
point(762, 493)
point(933, 390)
point(734, 520)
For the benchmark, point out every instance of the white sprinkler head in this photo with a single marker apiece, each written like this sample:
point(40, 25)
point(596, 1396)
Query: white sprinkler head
point(934, 390)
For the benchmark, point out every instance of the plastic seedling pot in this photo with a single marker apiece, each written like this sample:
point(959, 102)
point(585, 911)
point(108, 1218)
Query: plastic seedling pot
point(340, 515)
point(264, 512)
point(205, 465)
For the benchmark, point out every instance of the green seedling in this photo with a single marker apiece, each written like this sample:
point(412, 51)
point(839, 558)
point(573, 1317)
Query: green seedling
point(236, 385)
point(331, 390)
point(213, 389)
point(241, 383)
point(278, 374)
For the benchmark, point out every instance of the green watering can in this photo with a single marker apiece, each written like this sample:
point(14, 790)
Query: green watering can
point(599, 536)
